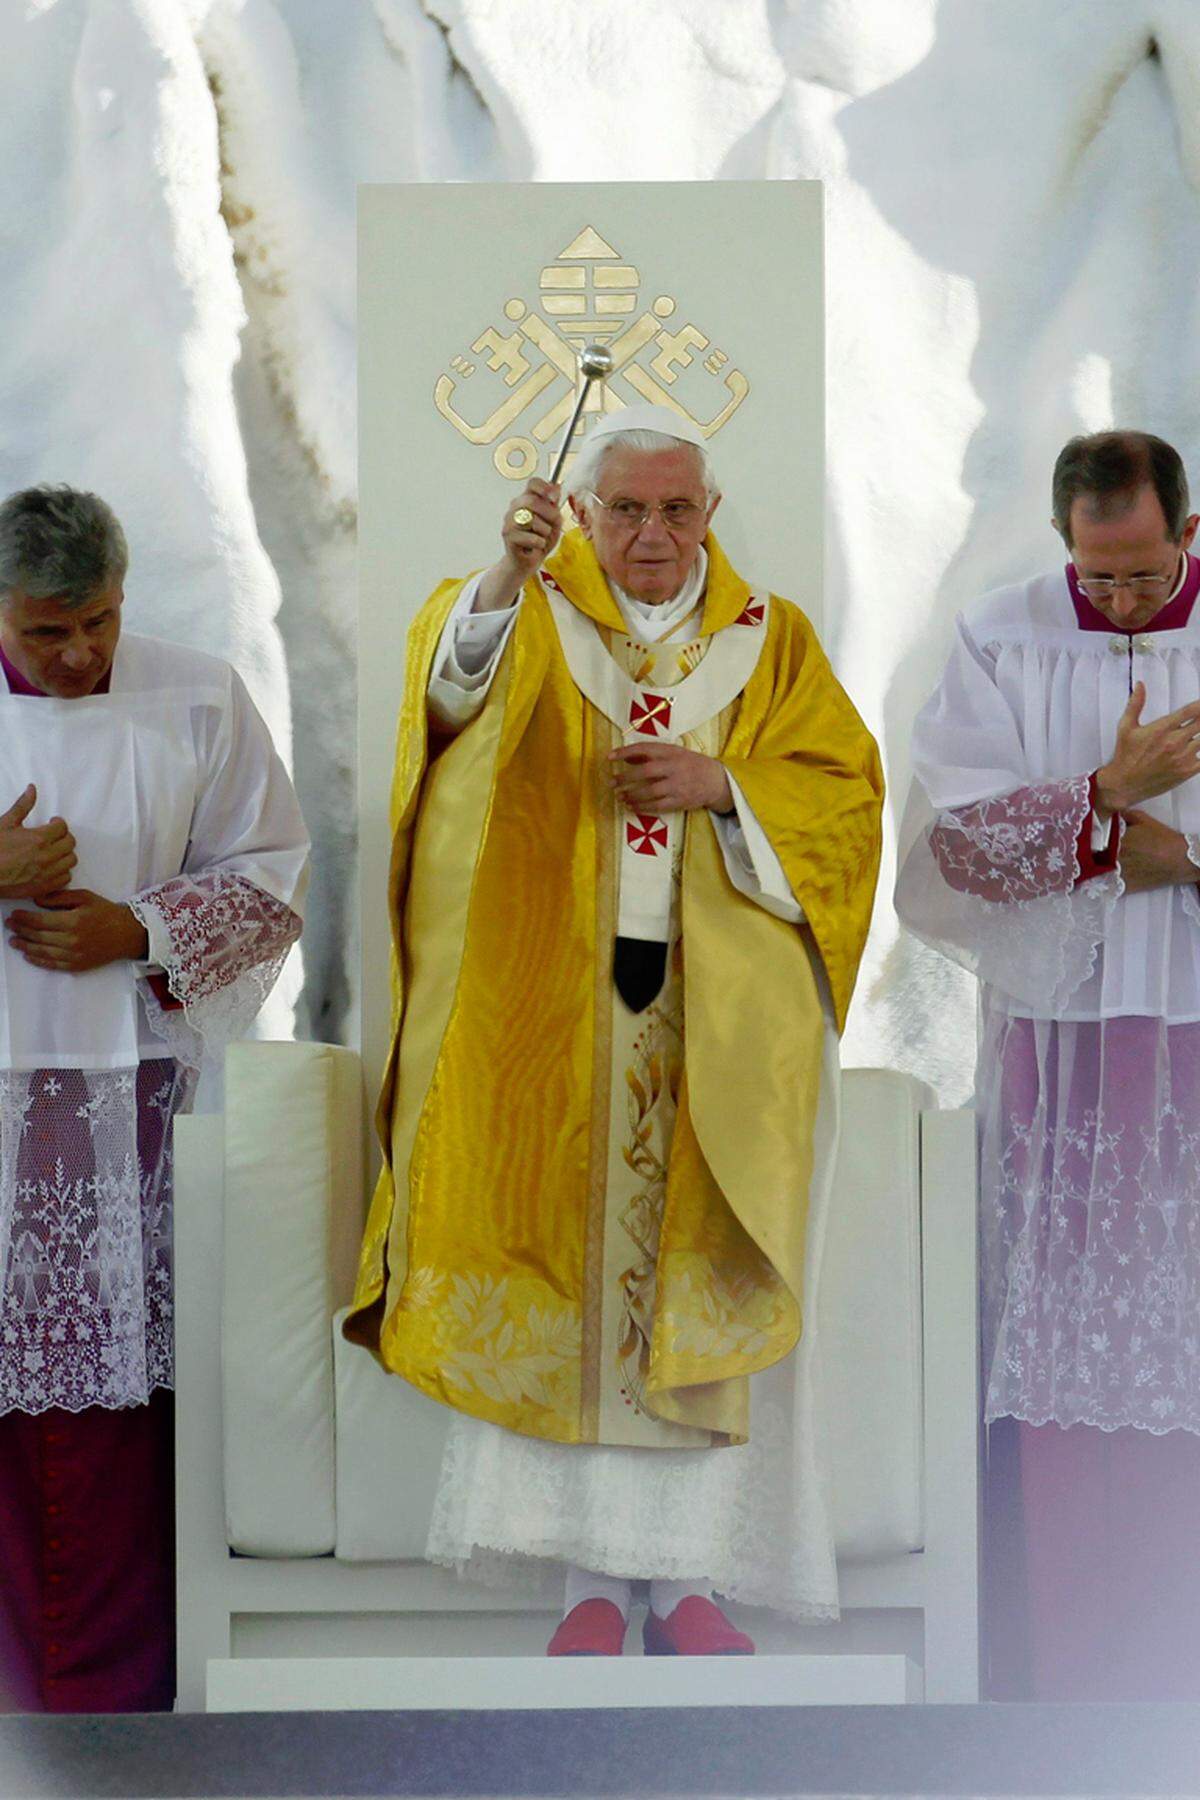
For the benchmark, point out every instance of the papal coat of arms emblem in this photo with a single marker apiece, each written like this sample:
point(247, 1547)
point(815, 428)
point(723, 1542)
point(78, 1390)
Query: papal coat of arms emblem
point(588, 294)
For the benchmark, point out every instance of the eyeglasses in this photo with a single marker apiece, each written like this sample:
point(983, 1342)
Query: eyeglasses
point(631, 515)
point(1142, 587)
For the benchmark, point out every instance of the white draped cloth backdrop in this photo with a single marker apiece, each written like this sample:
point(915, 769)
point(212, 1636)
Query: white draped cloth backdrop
point(1012, 238)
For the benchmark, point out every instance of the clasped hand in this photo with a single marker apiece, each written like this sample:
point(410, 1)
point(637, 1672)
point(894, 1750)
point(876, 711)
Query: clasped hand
point(76, 930)
point(1153, 855)
point(662, 778)
point(73, 929)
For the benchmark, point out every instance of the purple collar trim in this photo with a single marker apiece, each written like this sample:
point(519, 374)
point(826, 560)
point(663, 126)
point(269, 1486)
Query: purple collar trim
point(1171, 617)
point(17, 683)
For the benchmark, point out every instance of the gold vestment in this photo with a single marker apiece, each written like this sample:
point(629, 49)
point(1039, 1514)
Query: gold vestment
point(488, 1239)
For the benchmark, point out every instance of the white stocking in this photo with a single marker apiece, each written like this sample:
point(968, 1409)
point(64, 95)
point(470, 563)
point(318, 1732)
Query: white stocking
point(666, 1595)
point(586, 1584)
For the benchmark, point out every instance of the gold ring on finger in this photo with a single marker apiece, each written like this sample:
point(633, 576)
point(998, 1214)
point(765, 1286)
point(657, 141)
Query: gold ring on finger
point(522, 516)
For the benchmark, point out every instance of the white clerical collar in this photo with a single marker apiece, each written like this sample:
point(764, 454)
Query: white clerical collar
point(649, 623)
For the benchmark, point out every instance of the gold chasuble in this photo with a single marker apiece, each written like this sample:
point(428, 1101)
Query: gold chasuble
point(590, 1222)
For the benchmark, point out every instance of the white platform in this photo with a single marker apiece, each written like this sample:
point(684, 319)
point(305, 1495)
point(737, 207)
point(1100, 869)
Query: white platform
point(537, 1683)
point(306, 1476)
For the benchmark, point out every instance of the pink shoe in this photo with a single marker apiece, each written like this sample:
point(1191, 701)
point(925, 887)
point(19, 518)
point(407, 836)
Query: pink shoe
point(697, 1627)
point(593, 1628)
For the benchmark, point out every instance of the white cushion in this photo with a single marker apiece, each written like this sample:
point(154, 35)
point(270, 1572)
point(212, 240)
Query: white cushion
point(389, 1453)
point(293, 1202)
point(870, 1395)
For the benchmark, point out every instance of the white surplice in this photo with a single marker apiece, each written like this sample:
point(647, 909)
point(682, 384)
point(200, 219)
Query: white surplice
point(1088, 1083)
point(180, 808)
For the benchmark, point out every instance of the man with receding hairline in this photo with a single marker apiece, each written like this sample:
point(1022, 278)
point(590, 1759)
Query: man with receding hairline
point(1052, 846)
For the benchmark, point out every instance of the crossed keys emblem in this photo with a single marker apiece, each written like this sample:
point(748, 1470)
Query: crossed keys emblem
point(646, 834)
point(586, 295)
point(650, 714)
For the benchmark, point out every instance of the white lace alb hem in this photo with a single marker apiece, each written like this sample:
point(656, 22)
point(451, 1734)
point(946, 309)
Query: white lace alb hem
point(510, 1511)
point(85, 1235)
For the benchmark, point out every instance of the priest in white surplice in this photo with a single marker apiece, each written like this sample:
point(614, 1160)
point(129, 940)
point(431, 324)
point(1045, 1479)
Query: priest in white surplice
point(641, 776)
point(152, 867)
point(1052, 845)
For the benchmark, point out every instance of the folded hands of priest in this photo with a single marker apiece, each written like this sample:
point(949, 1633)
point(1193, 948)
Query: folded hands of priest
point(34, 859)
point(76, 930)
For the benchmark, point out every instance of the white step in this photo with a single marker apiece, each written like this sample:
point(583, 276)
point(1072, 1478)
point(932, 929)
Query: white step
point(423, 1683)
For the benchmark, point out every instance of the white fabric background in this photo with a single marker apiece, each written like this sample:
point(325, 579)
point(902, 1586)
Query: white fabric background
point(1012, 253)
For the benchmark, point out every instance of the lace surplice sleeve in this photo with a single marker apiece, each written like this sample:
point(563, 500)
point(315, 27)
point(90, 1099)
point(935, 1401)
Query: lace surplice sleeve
point(220, 930)
point(1034, 842)
point(1010, 883)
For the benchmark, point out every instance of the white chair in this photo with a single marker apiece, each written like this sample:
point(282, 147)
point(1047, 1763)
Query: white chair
point(305, 1474)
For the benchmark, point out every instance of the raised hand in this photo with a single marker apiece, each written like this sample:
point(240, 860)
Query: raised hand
point(77, 930)
point(532, 526)
point(661, 778)
point(34, 859)
point(1148, 759)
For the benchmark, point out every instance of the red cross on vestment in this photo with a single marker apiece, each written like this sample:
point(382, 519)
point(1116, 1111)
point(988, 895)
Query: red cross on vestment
point(650, 714)
point(646, 834)
point(752, 613)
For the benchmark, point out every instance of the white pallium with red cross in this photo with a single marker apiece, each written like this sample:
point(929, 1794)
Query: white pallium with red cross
point(686, 711)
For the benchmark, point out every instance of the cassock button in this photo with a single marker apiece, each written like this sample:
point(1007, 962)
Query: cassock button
point(53, 1612)
point(53, 1510)
point(54, 1544)
point(53, 1649)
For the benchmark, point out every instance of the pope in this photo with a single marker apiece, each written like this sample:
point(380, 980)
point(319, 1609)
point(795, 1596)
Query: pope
point(636, 835)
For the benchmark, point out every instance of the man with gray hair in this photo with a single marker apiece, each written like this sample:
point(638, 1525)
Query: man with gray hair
point(623, 776)
point(152, 867)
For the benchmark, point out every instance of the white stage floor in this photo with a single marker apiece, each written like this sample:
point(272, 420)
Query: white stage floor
point(540, 1683)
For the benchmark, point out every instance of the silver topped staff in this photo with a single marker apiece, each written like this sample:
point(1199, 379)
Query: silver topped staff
point(595, 362)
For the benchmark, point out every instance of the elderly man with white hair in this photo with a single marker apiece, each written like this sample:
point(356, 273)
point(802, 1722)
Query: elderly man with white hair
point(152, 868)
point(636, 837)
